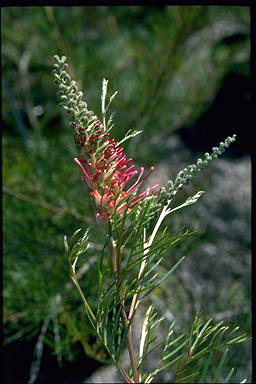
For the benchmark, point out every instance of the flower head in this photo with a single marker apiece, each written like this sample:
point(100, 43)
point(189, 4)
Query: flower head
point(109, 176)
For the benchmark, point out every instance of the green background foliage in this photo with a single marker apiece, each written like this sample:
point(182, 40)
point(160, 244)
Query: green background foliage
point(167, 63)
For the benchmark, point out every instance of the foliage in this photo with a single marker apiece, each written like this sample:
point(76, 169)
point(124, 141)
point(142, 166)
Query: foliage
point(134, 265)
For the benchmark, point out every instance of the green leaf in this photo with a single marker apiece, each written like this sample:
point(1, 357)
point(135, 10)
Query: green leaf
point(229, 375)
point(221, 364)
point(177, 349)
point(188, 377)
point(153, 286)
point(206, 339)
point(129, 135)
point(206, 367)
point(190, 200)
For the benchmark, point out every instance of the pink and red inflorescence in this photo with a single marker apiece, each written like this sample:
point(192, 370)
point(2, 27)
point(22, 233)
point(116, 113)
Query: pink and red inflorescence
point(108, 173)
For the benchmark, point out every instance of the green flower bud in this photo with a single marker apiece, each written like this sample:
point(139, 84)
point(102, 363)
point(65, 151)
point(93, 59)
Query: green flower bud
point(178, 180)
point(170, 184)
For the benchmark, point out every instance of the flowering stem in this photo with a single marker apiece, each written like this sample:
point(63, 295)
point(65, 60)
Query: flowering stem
point(116, 270)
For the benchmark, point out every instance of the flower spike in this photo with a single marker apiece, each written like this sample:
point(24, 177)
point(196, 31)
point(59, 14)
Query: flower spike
point(107, 171)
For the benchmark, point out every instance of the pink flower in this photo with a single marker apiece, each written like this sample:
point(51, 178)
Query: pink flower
point(108, 173)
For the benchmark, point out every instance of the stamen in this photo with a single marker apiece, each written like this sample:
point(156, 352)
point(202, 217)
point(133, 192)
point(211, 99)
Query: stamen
point(144, 194)
point(129, 169)
point(84, 171)
point(151, 169)
point(136, 182)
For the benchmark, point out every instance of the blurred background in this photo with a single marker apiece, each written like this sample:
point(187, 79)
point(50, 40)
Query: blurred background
point(183, 77)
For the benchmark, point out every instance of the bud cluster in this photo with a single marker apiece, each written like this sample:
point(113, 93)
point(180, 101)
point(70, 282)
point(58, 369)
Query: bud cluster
point(71, 98)
point(190, 171)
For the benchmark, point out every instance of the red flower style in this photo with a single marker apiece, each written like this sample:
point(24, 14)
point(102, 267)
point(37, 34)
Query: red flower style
point(108, 173)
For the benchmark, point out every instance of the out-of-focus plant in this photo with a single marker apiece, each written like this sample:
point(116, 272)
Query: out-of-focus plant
point(135, 246)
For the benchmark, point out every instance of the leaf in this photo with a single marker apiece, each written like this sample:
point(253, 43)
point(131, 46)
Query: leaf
point(66, 245)
point(177, 349)
point(150, 253)
point(77, 248)
point(148, 334)
point(129, 135)
point(221, 364)
point(185, 378)
point(153, 286)
point(206, 367)
point(103, 95)
point(144, 333)
point(170, 363)
point(190, 200)
point(205, 339)
point(229, 375)
point(199, 335)
point(109, 122)
point(111, 98)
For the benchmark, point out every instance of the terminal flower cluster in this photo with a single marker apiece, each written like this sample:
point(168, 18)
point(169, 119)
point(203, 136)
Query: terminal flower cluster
point(109, 176)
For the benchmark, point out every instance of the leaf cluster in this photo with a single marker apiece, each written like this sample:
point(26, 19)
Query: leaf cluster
point(188, 352)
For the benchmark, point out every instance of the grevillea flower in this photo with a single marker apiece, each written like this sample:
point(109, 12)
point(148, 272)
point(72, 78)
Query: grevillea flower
point(109, 176)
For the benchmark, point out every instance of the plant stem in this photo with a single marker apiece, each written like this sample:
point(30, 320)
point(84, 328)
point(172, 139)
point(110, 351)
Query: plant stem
point(147, 245)
point(142, 267)
point(116, 270)
point(88, 310)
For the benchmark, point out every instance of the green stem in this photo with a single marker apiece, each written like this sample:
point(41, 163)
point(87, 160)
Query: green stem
point(88, 310)
point(116, 270)
point(163, 214)
point(143, 264)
